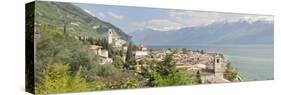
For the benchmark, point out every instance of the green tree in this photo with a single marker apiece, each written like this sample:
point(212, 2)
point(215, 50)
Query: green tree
point(129, 53)
point(198, 77)
point(202, 52)
point(129, 57)
point(166, 74)
point(230, 73)
point(56, 78)
point(77, 83)
point(118, 61)
point(184, 50)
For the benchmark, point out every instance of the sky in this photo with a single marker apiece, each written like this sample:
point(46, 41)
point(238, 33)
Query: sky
point(131, 19)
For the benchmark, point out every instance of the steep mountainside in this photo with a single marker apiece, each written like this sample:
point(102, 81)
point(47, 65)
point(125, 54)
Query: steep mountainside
point(241, 32)
point(78, 22)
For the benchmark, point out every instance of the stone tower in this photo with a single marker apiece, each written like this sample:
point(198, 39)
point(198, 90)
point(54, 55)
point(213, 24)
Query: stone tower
point(217, 64)
point(110, 36)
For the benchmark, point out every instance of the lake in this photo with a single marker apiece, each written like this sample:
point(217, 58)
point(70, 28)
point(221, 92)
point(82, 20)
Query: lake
point(254, 62)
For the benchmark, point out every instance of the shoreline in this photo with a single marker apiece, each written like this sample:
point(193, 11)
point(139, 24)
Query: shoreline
point(204, 59)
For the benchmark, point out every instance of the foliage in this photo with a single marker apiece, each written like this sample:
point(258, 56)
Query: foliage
point(74, 66)
point(202, 52)
point(129, 54)
point(56, 78)
point(184, 50)
point(198, 77)
point(230, 73)
point(53, 13)
point(54, 46)
point(77, 82)
point(118, 61)
point(126, 83)
point(129, 57)
point(104, 43)
point(166, 74)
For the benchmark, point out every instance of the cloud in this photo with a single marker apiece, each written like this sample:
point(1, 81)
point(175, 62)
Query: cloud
point(102, 15)
point(198, 18)
point(161, 25)
point(253, 18)
point(179, 19)
point(114, 15)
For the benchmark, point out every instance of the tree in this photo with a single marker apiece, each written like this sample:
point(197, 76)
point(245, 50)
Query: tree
point(198, 77)
point(166, 74)
point(54, 46)
point(129, 57)
point(202, 52)
point(169, 49)
point(230, 73)
point(78, 83)
point(129, 53)
point(118, 61)
point(56, 78)
point(184, 50)
point(167, 66)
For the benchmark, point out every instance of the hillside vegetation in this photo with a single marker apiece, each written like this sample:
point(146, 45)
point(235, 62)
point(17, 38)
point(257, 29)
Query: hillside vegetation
point(65, 64)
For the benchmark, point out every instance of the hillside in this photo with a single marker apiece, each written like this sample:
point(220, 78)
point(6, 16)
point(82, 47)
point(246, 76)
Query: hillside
point(241, 32)
point(78, 21)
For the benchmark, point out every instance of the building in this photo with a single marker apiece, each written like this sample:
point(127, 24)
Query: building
point(111, 36)
point(103, 54)
point(96, 49)
point(141, 52)
point(217, 64)
point(114, 39)
point(119, 43)
point(142, 47)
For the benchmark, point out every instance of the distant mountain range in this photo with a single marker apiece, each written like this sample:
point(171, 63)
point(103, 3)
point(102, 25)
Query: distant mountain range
point(79, 22)
point(240, 32)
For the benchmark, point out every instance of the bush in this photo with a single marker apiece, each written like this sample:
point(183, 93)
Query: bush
point(64, 64)
point(165, 74)
point(230, 73)
point(57, 79)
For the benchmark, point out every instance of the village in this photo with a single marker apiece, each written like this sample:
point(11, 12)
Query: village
point(210, 65)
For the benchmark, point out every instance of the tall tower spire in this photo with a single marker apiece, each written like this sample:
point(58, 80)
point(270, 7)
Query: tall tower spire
point(110, 36)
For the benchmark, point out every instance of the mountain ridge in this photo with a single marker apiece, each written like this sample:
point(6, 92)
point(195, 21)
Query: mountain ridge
point(79, 22)
point(241, 32)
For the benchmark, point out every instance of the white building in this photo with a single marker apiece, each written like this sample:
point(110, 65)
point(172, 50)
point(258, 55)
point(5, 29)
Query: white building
point(141, 53)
